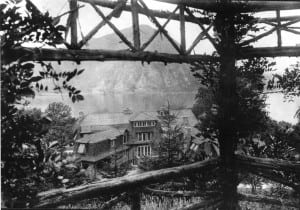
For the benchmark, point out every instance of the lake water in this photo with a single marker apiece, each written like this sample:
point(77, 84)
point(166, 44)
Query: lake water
point(116, 102)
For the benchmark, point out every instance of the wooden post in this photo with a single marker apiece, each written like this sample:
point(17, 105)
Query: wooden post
point(228, 105)
point(279, 43)
point(182, 30)
point(135, 200)
point(73, 23)
point(135, 23)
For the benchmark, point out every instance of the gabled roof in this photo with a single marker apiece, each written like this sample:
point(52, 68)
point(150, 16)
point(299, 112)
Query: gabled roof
point(96, 122)
point(117, 118)
point(144, 116)
point(111, 133)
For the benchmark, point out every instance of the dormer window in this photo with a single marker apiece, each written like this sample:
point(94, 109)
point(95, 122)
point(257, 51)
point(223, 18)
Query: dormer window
point(81, 149)
point(148, 123)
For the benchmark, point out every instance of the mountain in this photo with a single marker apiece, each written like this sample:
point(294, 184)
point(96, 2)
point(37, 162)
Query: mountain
point(128, 76)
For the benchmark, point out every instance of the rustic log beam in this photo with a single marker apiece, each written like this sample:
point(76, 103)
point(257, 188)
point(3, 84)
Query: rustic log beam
point(158, 25)
point(212, 41)
point(288, 29)
point(146, 44)
point(207, 204)
point(115, 11)
point(73, 23)
point(268, 52)
point(36, 54)
point(63, 196)
point(268, 200)
point(156, 13)
point(268, 174)
point(198, 39)
point(275, 19)
point(135, 25)
point(277, 27)
point(237, 5)
point(113, 201)
point(267, 163)
point(182, 30)
point(114, 28)
point(278, 31)
point(168, 193)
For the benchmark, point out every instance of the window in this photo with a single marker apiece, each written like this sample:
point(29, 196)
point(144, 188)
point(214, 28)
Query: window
point(145, 136)
point(112, 143)
point(149, 123)
point(143, 151)
point(125, 138)
point(81, 149)
point(185, 120)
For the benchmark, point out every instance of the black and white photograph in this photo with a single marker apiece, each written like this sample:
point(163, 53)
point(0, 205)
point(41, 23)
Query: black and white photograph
point(150, 104)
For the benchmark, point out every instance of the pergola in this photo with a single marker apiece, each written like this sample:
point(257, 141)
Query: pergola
point(228, 52)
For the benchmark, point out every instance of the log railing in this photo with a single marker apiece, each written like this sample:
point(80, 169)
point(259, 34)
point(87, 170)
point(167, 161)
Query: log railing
point(136, 182)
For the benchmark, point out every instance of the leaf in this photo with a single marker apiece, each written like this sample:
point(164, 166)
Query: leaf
point(61, 28)
point(28, 66)
point(36, 78)
point(80, 71)
point(73, 99)
point(80, 97)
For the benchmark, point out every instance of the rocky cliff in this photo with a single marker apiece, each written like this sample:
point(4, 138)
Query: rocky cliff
point(125, 76)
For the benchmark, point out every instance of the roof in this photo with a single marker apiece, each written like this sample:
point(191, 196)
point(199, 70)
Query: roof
point(106, 119)
point(97, 137)
point(144, 116)
point(120, 120)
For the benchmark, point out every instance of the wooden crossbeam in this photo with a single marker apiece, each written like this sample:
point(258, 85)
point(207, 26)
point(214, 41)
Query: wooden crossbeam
point(182, 30)
point(146, 44)
point(267, 163)
point(115, 11)
point(237, 5)
point(158, 25)
point(212, 41)
point(279, 42)
point(114, 28)
point(267, 200)
point(156, 13)
point(269, 174)
point(35, 54)
point(73, 23)
point(212, 203)
point(135, 25)
point(277, 27)
point(63, 196)
point(288, 29)
point(198, 39)
point(268, 52)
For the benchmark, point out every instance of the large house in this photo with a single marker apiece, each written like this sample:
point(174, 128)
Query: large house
point(125, 137)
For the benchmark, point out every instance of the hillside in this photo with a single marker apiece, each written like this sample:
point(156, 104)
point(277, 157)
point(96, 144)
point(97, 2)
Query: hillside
point(124, 76)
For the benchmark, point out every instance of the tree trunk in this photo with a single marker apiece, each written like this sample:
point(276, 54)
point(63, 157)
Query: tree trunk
point(228, 104)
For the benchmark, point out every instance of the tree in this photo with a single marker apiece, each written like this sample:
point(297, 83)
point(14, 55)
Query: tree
point(61, 129)
point(170, 147)
point(21, 134)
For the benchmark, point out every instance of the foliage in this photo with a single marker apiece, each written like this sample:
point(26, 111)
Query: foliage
point(21, 135)
point(61, 128)
point(22, 161)
point(289, 82)
point(251, 115)
point(170, 147)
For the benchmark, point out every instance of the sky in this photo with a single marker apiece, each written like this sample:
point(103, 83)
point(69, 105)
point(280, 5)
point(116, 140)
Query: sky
point(88, 18)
